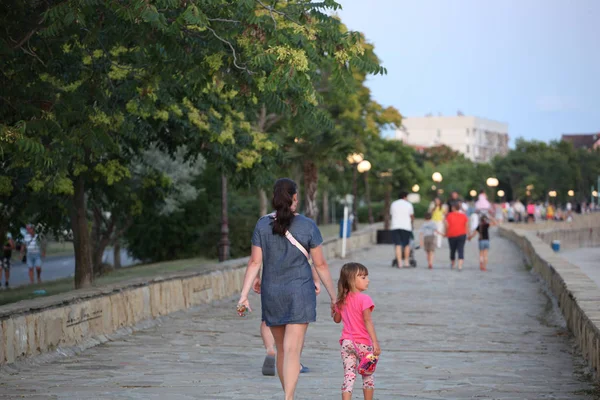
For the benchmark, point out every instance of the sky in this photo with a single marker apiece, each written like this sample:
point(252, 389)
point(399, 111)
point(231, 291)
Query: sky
point(533, 64)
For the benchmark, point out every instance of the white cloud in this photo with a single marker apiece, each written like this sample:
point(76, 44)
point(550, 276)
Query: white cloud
point(556, 103)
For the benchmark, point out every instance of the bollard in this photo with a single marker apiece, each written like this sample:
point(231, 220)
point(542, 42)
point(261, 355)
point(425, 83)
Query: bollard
point(556, 245)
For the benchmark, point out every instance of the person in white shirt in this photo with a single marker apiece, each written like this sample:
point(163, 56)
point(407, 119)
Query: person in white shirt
point(35, 250)
point(403, 215)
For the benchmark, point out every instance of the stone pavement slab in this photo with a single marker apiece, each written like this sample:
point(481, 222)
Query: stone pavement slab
point(587, 259)
point(444, 335)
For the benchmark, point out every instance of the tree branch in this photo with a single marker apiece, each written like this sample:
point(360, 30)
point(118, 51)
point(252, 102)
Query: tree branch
point(232, 50)
point(224, 20)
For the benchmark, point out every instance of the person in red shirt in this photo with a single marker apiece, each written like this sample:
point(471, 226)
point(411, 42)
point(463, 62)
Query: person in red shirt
point(457, 226)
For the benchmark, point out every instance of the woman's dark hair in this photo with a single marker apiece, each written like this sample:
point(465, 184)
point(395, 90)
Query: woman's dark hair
point(283, 194)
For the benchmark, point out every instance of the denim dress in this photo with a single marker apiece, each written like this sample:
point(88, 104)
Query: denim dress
point(287, 289)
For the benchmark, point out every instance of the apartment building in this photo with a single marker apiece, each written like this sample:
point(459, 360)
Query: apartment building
point(478, 139)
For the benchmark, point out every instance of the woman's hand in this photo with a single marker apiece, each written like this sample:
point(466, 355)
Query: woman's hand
point(376, 349)
point(256, 285)
point(317, 287)
point(244, 302)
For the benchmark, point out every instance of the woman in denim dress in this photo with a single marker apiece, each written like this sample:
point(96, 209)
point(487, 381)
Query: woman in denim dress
point(288, 294)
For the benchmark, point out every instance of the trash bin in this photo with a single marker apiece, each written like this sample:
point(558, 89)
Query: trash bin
point(556, 245)
point(348, 228)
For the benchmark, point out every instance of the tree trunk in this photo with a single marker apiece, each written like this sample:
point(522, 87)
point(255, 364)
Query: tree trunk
point(262, 195)
point(325, 207)
point(100, 239)
point(81, 237)
point(224, 242)
point(368, 195)
point(386, 206)
point(355, 200)
point(117, 254)
point(311, 180)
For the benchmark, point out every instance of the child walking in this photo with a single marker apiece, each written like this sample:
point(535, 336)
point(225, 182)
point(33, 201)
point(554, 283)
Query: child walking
point(358, 339)
point(427, 237)
point(483, 229)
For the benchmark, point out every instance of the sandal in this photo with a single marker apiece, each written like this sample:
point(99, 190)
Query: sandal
point(268, 367)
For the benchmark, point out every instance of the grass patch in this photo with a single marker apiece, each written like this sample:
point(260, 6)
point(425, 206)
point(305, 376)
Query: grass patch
point(66, 284)
point(59, 249)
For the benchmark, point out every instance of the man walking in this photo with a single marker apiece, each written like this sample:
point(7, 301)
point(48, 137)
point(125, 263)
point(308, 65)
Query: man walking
point(36, 252)
point(403, 215)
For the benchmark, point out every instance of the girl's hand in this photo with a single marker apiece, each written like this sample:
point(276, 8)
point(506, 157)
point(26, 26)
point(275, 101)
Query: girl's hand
point(376, 349)
point(333, 307)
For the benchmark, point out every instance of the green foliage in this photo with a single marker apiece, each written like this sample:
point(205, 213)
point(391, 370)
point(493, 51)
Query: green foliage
point(194, 229)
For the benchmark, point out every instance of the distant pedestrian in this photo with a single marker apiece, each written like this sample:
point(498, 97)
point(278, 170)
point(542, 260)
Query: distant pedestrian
point(454, 198)
point(484, 240)
point(457, 226)
point(427, 237)
point(358, 339)
point(7, 249)
point(403, 215)
point(34, 250)
point(531, 212)
point(482, 205)
point(437, 216)
point(284, 243)
point(550, 212)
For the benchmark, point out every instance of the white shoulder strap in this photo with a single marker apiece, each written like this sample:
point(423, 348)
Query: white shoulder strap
point(293, 241)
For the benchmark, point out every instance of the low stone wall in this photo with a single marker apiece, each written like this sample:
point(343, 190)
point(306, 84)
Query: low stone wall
point(33, 327)
point(573, 238)
point(577, 295)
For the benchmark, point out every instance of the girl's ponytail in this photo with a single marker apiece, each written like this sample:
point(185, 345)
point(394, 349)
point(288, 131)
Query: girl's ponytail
point(283, 197)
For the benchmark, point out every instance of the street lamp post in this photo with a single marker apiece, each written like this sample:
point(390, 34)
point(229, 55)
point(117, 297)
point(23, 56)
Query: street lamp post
point(354, 160)
point(492, 183)
point(364, 167)
point(437, 178)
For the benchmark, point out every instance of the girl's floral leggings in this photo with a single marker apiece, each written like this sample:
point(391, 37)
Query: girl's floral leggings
point(350, 360)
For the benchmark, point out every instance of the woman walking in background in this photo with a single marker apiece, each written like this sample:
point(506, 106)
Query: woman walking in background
point(457, 226)
point(281, 242)
point(437, 216)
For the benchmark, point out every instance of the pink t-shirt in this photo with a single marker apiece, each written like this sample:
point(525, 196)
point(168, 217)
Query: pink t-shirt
point(352, 317)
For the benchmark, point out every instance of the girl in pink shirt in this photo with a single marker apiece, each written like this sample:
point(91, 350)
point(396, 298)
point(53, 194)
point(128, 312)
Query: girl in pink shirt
point(354, 308)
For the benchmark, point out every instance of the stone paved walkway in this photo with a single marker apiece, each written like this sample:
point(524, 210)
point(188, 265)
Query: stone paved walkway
point(444, 334)
point(587, 259)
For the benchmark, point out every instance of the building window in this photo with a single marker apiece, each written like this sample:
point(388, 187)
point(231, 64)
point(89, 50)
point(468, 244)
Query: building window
point(468, 149)
point(467, 131)
point(439, 134)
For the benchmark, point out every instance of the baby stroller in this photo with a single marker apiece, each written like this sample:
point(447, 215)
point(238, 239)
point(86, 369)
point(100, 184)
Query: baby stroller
point(411, 256)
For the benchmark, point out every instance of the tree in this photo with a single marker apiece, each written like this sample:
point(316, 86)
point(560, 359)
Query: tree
point(93, 83)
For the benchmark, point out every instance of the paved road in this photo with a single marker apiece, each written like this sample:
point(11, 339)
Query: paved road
point(56, 267)
point(588, 259)
point(444, 334)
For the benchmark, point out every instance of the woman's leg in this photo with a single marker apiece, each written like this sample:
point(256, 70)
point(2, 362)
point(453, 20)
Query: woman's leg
point(481, 260)
point(278, 334)
point(440, 228)
point(452, 244)
point(349, 361)
point(293, 341)
point(460, 244)
point(430, 259)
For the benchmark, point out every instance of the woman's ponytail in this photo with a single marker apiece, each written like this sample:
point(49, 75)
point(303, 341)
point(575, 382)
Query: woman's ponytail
point(283, 197)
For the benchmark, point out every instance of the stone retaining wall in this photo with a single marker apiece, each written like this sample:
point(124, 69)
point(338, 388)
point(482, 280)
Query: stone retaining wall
point(577, 295)
point(33, 327)
point(573, 238)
